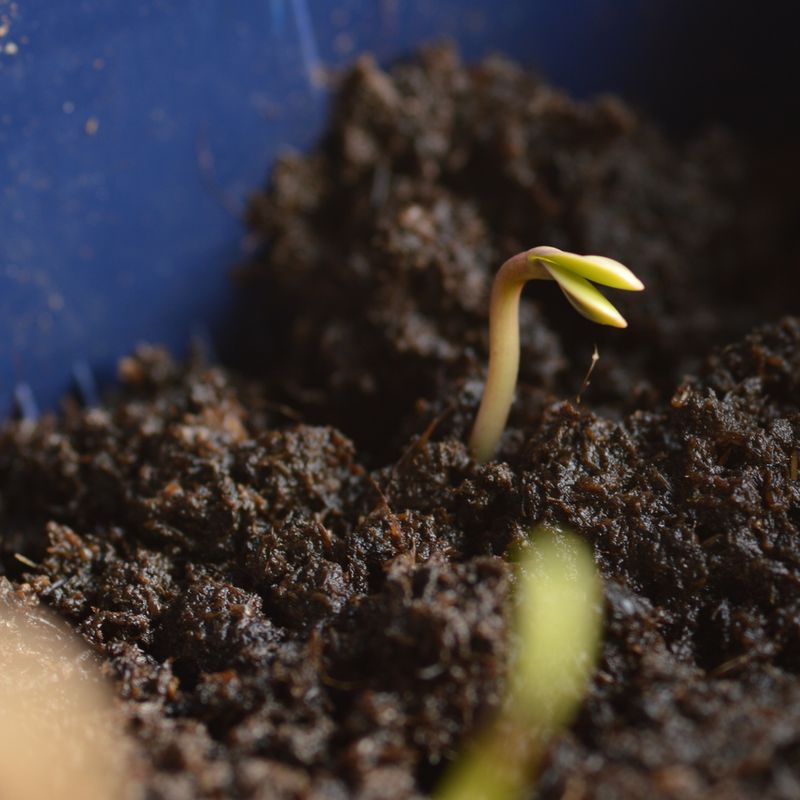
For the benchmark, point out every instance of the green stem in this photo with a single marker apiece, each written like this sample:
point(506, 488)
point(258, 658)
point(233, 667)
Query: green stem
point(501, 380)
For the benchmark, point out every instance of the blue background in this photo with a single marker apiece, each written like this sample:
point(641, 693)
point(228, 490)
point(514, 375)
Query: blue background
point(132, 133)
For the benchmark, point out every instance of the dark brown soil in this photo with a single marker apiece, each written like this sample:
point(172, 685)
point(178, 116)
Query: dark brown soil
point(287, 614)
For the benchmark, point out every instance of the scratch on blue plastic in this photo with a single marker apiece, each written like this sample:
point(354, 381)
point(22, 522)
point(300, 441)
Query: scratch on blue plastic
point(308, 44)
point(278, 16)
point(85, 383)
point(25, 403)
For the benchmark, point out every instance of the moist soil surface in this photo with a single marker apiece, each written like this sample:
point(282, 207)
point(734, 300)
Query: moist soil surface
point(296, 577)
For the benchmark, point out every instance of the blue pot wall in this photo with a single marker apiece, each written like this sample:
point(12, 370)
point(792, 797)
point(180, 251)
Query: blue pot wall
point(131, 134)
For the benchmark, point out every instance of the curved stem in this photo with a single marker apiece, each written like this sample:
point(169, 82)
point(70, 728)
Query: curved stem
point(498, 392)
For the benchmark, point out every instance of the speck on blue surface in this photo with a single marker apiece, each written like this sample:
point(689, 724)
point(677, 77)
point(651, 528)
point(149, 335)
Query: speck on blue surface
point(132, 133)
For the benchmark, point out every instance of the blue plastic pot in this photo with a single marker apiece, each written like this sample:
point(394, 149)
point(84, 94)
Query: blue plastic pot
point(131, 134)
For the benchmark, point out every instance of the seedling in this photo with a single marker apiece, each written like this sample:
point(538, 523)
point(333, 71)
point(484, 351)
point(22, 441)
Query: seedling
point(572, 273)
point(558, 624)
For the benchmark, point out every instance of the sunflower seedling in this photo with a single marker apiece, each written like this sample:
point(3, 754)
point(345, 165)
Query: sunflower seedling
point(572, 273)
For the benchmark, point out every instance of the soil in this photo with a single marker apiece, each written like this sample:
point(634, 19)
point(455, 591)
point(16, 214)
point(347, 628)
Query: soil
point(296, 580)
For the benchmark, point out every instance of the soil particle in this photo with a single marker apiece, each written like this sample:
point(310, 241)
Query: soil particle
point(297, 581)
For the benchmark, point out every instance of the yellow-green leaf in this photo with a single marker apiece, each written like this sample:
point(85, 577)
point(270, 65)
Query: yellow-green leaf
point(585, 298)
point(602, 270)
